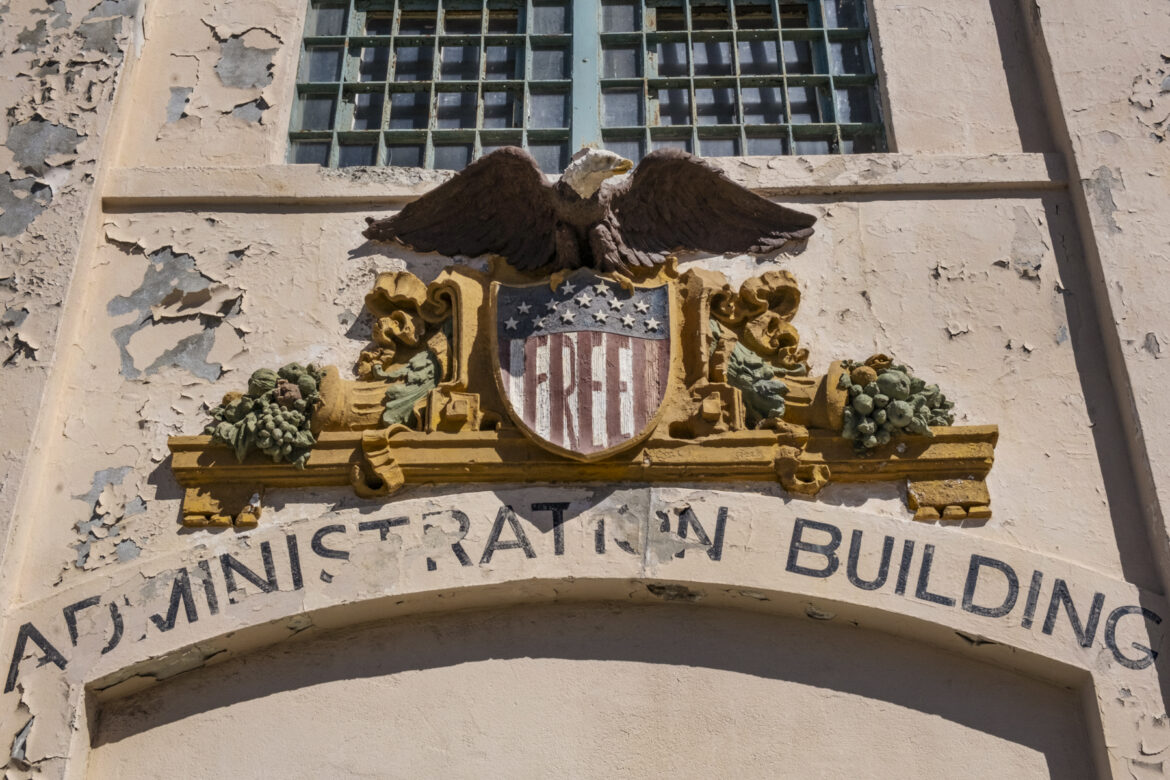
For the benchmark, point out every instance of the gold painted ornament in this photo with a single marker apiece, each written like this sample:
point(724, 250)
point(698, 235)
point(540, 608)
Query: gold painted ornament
point(433, 401)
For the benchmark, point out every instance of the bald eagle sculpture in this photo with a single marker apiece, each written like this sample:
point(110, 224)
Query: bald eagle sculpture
point(673, 201)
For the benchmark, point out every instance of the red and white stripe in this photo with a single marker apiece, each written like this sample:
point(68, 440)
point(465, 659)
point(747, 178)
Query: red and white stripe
point(586, 391)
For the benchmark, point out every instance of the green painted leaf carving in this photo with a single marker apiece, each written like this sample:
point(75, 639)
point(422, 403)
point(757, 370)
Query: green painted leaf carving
point(414, 381)
point(757, 380)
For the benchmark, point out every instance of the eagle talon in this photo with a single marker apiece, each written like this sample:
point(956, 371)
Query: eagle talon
point(623, 281)
point(555, 279)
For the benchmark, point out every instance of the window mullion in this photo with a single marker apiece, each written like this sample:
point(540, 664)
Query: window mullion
point(586, 73)
point(526, 92)
point(693, 98)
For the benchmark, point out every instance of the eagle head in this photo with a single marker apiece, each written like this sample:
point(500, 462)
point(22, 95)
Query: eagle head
point(590, 167)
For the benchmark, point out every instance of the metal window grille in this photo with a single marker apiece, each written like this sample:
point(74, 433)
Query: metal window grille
point(438, 83)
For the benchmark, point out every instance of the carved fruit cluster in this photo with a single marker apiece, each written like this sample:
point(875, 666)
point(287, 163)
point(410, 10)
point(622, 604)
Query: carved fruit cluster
point(886, 399)
point(273, 416)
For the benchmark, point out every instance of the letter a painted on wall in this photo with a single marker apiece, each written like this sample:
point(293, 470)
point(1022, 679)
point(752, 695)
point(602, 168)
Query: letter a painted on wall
point(584, 367)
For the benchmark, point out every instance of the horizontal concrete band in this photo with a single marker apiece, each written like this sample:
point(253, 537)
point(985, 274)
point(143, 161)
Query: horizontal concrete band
point(306, 185)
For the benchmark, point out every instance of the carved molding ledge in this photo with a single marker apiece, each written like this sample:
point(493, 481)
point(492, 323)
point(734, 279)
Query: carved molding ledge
point(220, 489)
point(308, 185)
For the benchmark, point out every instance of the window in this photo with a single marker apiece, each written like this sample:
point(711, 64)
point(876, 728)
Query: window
point(438, 83)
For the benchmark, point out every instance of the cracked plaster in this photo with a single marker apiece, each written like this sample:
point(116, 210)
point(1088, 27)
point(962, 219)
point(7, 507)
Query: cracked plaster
point(57, 92)
point(865, 280)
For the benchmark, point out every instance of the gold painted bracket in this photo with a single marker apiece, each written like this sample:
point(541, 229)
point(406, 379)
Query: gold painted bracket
point(222, 505)
point(945, 473)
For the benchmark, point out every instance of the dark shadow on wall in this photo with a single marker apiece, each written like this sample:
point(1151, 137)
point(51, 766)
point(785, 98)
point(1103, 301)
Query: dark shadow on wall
point(1101, 403)
point(1023, 86)
point(823, 656)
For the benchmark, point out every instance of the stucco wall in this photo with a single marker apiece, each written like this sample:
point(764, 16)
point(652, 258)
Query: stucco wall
point(598, 691)
point(162, 251)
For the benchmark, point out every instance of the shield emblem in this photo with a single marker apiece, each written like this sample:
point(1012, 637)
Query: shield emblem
point(584, 368)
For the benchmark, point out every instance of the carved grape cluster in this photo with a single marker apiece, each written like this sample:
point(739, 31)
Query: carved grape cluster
point(273, 416)
point(886, 399)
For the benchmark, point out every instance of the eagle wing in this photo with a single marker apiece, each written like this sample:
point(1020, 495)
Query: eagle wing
point(675, 201)
point(499, 204)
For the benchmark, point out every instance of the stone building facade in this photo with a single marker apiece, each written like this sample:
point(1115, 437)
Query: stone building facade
point(157, 248)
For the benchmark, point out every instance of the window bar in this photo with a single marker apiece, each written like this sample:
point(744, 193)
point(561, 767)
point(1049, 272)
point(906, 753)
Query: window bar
point(391, 77)
point(644, 72)
point(477, 141)
point(527, 26)
point(650, 65)
point(783, 63)
point(694, 105)
point(343, 116)
point(880, 138)
point(339, 105)
point(526, 91)
point(832, 102)
point(736, 69)
point(383, 138)
point(383, 145)
point(340, 111)
point(436, 74)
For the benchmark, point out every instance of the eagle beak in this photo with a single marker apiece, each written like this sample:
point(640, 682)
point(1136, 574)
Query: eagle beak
point(623, 166)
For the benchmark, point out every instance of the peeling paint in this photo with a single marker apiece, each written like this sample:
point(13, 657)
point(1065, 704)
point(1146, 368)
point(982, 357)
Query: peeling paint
point(57, 94)
point(104, 510)
point(13, 317)
point(1105, 180)
point(35, 37)
point(816, 613)
point(177, 106)
point(174, 289)
point(21, 350)
point(1152, 345)
point(671, 592)
point(127, 550)
point(174, 317)
point(252, 111)
point(21, 202)
point(102, 35)
point(189, 354)
point(36, 140)
point(242, 66)
point(975, 640)
point(1150, 95)
point(19, 749)
point(1028, 246)
point(61, 16)
point(113, 8)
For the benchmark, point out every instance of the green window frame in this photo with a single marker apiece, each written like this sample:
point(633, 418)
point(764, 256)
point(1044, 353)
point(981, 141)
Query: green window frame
point(438, 83)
